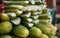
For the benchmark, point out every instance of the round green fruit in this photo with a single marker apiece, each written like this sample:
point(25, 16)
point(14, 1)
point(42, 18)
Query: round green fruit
point(4, 17)
point(5, 36)
point(52, 36)
point(21, 31)
point(5, 27)
point(44, 36)
point(35, 32)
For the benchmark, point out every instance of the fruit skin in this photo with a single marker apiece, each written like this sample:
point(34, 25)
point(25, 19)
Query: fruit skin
point(17, 37)
point(11, 15)
point(4, 17)
point(5, 36)
point(44, 36)
point(53, 30)
point(35, 32)
point(39, 3)
point(52, 27)
point(44, 11)
point(21, 31)
point(44, 16)
point(45, 21)
point(52, 36)
point(10, 7)
point(5, 27)
point(16, 3)
point(13, 36)
point(44, 29)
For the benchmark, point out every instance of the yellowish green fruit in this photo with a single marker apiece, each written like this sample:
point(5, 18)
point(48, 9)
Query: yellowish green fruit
point(53, 30)
point(5, 36)
point(52, 36)
point(35, 32)
point(44, 28)
point(45, 21)
point(4, 17)
point(44, 36)
point(21, 31)
point(5, 27)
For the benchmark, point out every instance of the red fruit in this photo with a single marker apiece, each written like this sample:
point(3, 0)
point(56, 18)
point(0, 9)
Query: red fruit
point(1, 7)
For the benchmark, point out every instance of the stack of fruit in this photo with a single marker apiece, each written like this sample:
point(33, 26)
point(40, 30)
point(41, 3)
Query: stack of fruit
point(24, 19)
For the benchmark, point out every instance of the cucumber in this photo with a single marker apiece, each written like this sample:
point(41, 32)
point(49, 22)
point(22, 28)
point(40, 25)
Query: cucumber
point(27, 19)
point(44, 6)
point(26, 15)
point(12, 15)
point(18, 6)
point(35, 17)
point(11, 7)
point(17, 2)
point(39, 3)
point(17, 12)
point(27, 24)
point(32, 8)
point(36, 13)
point(44, 21)
point(16, 21)
point(44, 11)
point(44, 16)
point(36, 21)
point(32, 2)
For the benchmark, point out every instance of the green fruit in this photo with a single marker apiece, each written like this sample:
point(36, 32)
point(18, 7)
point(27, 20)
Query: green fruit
point(17, 12)
point(5, 27)
point(44, 16)
point(44, 29)
point(13, 36)
point(36, 21)
point(44, 11)
point(4, 17)
point(44, 21)
point(21, 31)
point(53, 30)
point(16, 21)
point(27, 24)
point(5, 36)
point(35, 17)
point(27, 19)
point(16, 2)
point(44, 36)
point(48, 24)
point(11, 15)
point(11, 7)
point(39, 3)
point(17, 37)
point(35, 32)
point(52, 36)
point(26, 15)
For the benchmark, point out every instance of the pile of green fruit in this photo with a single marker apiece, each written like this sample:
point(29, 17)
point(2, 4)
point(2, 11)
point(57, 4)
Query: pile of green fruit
point(23, 19)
